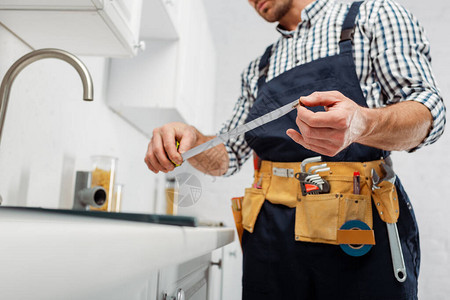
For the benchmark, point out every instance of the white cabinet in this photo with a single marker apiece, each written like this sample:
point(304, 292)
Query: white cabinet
point(83, 27)
point(197, 67)
point(174, 79)
point(52, 256)
point(143, 89)
point(190, 279)
point(196, 279)
point(160, 19)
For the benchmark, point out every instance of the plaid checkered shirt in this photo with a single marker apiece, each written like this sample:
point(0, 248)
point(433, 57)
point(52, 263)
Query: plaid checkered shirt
point(391, 53)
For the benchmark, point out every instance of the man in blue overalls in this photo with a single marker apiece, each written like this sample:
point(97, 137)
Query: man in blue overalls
point(362, 74)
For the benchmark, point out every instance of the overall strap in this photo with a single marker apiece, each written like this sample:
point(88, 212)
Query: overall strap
point(348, 28)
point(264, 66)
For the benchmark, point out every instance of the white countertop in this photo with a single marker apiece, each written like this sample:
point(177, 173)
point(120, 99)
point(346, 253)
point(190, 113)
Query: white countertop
point(52, 256)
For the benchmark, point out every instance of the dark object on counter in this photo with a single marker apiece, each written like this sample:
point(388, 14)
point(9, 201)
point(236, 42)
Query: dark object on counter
point(87, 195)
point(145, 218)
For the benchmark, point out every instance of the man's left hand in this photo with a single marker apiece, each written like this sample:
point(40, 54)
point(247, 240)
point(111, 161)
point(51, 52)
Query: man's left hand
point(328, 132)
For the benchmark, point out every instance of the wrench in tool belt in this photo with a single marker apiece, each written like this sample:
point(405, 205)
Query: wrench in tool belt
point(394, 240)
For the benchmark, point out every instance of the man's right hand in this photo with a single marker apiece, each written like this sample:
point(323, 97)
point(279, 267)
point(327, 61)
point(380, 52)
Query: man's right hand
point(162, 152)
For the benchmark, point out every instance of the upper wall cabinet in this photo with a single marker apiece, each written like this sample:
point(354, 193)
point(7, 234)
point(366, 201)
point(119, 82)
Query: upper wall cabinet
point(83, 27)
point(160, 19)
point(174, 79)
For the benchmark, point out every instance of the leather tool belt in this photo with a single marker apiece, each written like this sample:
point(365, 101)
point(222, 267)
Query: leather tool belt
point(319, 217)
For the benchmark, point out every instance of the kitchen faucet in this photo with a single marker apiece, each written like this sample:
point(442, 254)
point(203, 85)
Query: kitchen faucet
point(21, 63)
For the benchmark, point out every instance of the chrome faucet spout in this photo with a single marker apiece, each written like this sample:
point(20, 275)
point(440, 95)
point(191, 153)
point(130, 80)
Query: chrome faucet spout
point(21, 63)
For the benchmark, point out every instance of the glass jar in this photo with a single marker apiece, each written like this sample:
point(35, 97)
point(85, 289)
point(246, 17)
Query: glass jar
point(116, 205)
point(171, 197)
point(103, 174)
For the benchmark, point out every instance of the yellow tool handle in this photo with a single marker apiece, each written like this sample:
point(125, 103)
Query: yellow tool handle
point(178, 146)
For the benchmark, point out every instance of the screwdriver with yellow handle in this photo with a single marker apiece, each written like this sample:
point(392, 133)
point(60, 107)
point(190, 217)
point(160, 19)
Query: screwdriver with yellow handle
point(177, 144)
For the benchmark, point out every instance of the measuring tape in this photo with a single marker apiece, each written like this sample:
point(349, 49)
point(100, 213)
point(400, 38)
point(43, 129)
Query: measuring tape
point(224, 137)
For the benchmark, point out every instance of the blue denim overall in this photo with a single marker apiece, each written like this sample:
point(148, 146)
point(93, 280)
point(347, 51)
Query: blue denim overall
point(276, 266)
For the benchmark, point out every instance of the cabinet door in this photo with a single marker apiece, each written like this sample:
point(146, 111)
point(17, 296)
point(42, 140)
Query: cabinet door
point(142, 90)
point(216, 275)
point(51, 4)
point(83, 27)
point(173, 80)
point(160, 20)
point(191, 278)
point(152, 286)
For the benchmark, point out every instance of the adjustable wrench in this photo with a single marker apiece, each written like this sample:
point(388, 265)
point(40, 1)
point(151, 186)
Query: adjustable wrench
point(398, 262)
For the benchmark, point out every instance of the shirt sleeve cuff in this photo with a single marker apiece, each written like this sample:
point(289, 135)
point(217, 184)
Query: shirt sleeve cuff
point(437, 109)
point(233, 166)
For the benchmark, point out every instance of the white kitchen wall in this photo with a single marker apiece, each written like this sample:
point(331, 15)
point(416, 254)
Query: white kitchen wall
point(241, 35)
point(50, 133)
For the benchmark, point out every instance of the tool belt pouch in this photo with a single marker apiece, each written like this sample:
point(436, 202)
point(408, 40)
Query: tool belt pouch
point(320, 217)
point(252, 203)
point(385, 199)
point(237, 215)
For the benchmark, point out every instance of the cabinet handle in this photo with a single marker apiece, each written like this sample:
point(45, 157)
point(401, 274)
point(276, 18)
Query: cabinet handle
point(218, 264)
point(167, 297)
point(180, 295)
point(140, 46)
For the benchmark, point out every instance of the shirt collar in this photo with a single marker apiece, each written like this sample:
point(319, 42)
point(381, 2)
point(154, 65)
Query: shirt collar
point(310, 14)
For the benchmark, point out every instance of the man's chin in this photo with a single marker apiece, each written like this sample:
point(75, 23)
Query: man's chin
point(269, 18)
